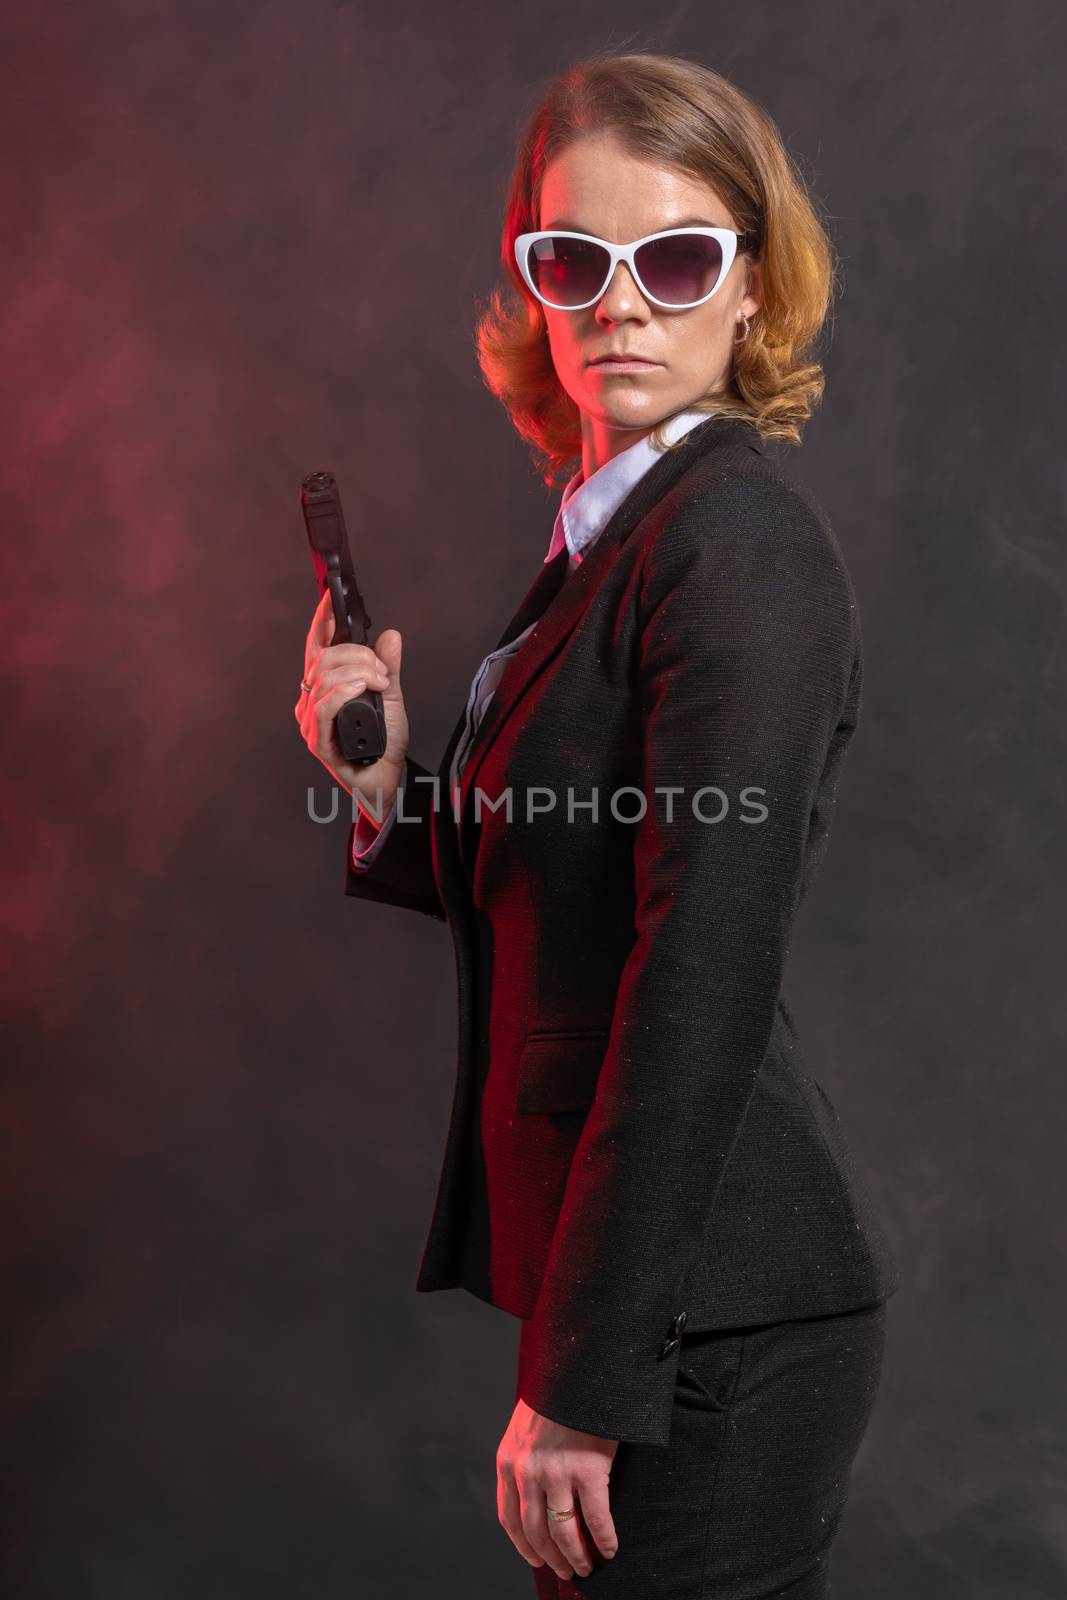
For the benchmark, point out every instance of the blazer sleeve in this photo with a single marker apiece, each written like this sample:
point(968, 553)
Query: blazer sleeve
point(748, 635)
point(401, 873)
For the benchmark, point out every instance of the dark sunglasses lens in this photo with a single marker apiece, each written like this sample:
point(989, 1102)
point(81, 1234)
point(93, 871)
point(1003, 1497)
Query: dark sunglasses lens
point(680, 269)
point(569, 272)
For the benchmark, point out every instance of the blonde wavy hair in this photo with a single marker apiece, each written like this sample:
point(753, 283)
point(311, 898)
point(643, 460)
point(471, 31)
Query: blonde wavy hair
point(685, 116)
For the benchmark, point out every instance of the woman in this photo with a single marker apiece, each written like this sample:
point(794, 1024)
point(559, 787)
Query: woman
point(639, 791)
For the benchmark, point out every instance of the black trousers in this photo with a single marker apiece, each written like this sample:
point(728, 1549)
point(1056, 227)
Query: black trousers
point(745, 1500)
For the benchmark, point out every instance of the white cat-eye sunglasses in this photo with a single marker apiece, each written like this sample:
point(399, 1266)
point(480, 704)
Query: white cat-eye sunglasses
point(676, 269)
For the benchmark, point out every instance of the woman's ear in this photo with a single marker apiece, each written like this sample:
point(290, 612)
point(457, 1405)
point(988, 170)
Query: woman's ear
point(754, 293)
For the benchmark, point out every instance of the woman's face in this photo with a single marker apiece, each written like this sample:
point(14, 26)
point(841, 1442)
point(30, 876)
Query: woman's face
point(595, 186)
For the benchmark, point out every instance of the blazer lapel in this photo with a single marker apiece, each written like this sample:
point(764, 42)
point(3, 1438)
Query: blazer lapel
point(565, 607)
point(444, 832)
point(540, 594)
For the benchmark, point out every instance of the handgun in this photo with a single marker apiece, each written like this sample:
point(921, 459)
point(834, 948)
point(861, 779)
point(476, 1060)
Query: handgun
point(360, 723)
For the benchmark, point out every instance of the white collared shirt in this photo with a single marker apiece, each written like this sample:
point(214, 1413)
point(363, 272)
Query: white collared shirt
point(586, 508)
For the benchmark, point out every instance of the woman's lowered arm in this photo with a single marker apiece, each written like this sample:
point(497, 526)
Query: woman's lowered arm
point(748, 642)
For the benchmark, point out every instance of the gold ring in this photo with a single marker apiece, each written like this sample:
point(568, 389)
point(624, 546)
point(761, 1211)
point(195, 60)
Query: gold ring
point(560, 1516)
point(305, 686)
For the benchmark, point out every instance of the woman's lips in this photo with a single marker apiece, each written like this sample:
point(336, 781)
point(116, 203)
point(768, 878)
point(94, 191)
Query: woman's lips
point(612, 365)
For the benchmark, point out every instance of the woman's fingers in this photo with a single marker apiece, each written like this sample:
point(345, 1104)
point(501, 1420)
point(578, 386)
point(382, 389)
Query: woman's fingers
point(561, 1494)
point(595, 1502)
point(538, 1531)
point(509, 1515)
point(323, 623)
point(319, 634)
point(542, 1464)
point(334, 675)
point(329, 688)
point(344, 663)
point(590, 1496)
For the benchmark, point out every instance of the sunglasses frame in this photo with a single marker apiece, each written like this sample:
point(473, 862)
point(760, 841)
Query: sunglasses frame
point(731, 244)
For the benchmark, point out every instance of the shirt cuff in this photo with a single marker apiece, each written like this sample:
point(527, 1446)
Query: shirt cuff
point(368, 838)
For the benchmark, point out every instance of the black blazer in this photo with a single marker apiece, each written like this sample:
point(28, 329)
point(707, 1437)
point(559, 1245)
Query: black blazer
point(636, 1143)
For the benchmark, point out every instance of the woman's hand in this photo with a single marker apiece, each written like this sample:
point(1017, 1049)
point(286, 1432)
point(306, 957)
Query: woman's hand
point(340, 673)
point(540, 1463)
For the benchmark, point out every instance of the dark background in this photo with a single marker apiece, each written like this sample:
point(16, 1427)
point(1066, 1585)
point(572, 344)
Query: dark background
point(243, 242)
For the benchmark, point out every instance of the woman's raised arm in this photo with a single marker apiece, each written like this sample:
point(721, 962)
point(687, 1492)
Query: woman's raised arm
point(399, 869)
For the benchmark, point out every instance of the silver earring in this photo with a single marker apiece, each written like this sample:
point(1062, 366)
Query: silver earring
point(744, 336)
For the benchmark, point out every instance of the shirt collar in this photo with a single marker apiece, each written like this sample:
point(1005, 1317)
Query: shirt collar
point(588, 505)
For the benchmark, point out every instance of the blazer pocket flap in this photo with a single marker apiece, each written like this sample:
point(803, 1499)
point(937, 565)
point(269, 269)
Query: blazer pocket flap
point(559, 1071)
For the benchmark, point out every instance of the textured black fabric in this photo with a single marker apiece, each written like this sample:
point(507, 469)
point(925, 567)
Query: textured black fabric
point(745, 1500)
point(403, 872)
point(634, 1132)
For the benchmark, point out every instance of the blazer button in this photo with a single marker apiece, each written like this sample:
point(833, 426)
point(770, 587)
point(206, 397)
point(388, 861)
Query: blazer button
point(679, 1323)
point(672, 1344)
